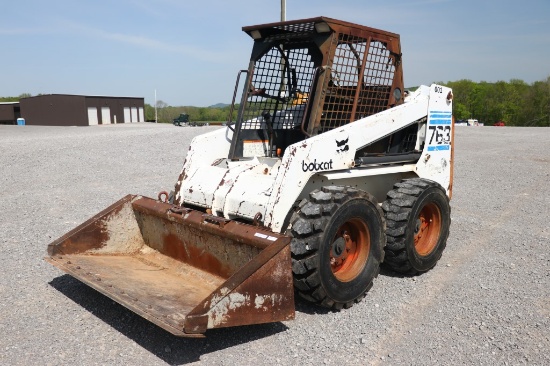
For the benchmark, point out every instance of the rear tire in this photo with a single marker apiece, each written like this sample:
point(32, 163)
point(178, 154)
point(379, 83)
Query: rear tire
point(337, 246)
point(418, 217)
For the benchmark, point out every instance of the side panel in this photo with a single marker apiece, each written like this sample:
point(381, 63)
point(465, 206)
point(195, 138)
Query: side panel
point(435, 163)
point(206, 149)
point(335, 150)
point(55, 110)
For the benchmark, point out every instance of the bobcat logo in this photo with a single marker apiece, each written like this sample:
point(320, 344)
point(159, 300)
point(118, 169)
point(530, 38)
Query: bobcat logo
point(342, 146)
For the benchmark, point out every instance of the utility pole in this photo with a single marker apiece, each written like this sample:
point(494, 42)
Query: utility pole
point(156, 115)
point(282, 91)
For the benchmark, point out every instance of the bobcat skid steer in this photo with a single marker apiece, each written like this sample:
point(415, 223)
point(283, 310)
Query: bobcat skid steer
point(328, 170)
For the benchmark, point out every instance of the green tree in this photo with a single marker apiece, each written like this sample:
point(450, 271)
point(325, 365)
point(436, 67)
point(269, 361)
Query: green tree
point(515, 102)
point(537, 104)
point(163, 112)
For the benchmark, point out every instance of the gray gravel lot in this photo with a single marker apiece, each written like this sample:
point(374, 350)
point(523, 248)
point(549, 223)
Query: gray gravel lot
point(486, 302)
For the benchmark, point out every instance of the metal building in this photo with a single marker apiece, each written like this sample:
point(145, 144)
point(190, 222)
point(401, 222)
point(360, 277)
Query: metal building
point(80, 110)
point(9, 113)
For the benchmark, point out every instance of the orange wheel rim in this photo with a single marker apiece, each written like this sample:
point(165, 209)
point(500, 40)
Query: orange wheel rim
point(427, 229)
point(349, 250)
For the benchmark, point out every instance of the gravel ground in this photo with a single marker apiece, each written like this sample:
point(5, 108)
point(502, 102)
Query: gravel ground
point(486, 302)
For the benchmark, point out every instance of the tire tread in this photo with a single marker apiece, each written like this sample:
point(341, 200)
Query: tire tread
point(308, 224)
point(397, 209)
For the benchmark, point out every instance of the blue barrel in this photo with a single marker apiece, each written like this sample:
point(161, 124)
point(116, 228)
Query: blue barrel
point(21, 121)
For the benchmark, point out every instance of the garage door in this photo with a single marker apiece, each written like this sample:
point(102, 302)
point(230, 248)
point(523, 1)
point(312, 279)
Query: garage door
point(134, 114)
point(141, 115)
point(92, 116)
point(127, 118)
point(105, 115)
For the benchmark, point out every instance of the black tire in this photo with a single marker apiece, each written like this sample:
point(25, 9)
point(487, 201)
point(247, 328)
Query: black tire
point(418, 217)
point(337, 246)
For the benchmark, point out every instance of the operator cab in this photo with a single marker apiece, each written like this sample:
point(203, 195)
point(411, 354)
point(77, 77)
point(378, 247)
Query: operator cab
point(310, 76)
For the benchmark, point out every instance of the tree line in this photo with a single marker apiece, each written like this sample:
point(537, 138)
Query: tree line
point(166, 113)
point(515, 102)
point(15, 99)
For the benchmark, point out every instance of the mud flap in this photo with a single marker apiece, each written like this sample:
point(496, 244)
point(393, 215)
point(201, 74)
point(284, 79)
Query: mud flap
point(181, 269)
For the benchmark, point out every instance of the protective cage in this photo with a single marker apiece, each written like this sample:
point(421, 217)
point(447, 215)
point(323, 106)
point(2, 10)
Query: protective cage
point(310, 76)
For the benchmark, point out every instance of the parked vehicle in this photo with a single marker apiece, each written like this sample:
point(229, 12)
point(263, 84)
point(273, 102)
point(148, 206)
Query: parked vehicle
point(181, 120)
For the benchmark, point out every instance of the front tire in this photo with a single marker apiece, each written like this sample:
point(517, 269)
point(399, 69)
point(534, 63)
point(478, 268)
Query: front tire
point(337, 246)
point(418, 217)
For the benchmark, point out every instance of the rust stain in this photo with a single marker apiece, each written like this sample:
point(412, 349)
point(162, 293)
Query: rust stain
point(91, 235)
point(188, 253)
point(182, 177)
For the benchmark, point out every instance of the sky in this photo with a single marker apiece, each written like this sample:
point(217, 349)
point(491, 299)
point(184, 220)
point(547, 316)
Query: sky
point(189, 52)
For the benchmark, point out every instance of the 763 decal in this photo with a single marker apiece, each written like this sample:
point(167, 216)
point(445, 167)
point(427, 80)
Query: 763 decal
point(440, 135)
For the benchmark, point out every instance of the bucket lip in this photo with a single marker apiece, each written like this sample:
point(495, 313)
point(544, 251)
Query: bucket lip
point(119, 295)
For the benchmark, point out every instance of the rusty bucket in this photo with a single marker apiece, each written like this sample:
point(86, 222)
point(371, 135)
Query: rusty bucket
point(182, 269)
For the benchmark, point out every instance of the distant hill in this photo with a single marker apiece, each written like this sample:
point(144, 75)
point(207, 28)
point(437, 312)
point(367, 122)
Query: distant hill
point(219, 105)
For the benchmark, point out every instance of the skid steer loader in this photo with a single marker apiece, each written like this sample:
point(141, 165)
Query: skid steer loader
point(329, 169)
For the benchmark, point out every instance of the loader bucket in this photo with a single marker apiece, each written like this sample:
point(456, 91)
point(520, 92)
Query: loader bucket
point(182, 269)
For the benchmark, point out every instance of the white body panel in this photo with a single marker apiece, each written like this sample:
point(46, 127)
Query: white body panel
point(271, 186)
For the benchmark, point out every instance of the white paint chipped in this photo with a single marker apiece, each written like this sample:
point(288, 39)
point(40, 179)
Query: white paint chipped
point(218, 314)
point(259, 302)
point(273, 300)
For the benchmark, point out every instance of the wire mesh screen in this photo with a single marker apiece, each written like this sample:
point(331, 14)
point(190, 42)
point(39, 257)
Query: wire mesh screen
point(352, 93)
point(379, 75)
point(344, 80)
point(279, 86)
